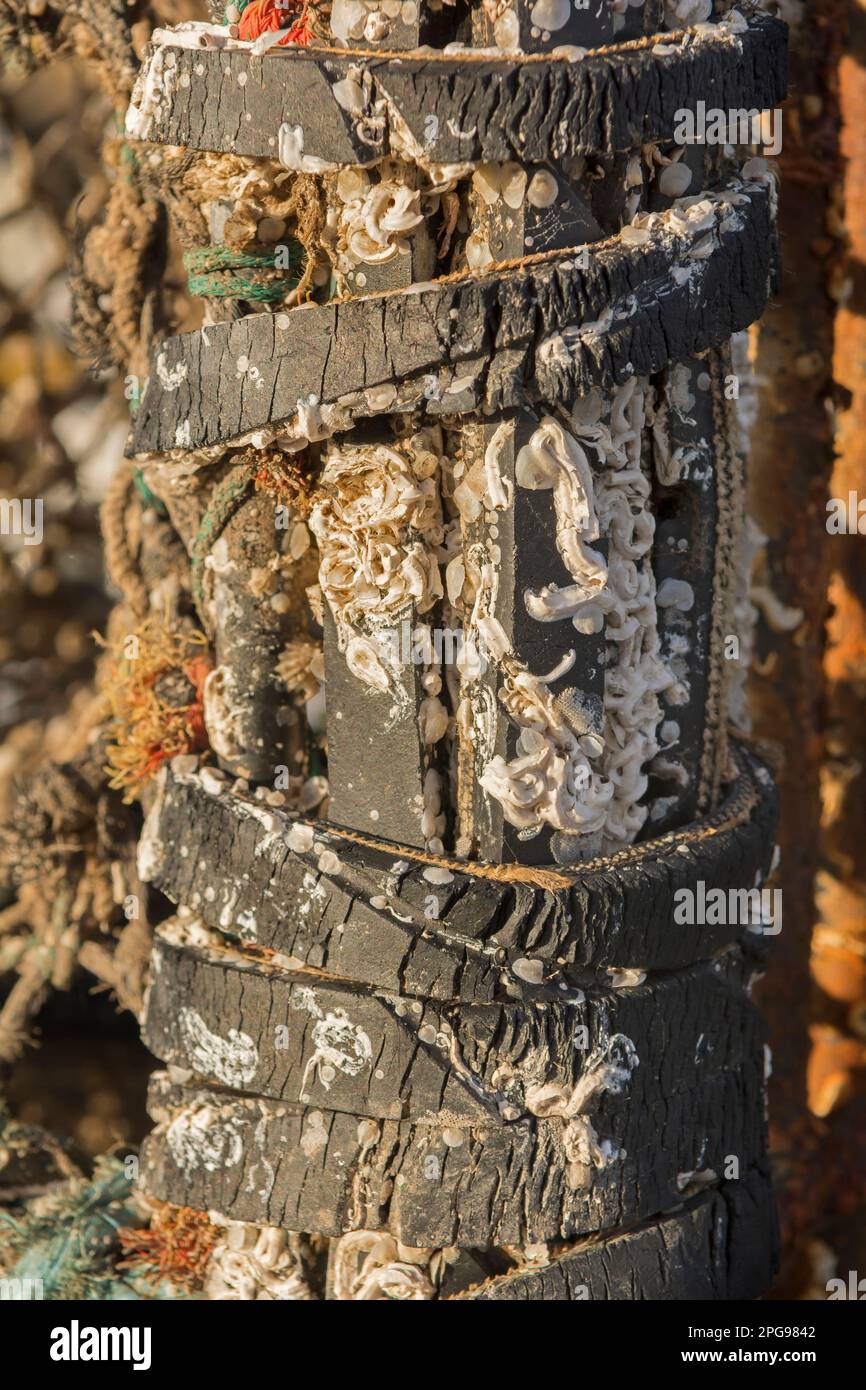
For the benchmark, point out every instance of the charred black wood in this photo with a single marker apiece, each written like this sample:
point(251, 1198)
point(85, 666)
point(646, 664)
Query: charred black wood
point(308, 1038)
point(306, 1168)
point(377, 916)
point(352, 109)
point(545, 333)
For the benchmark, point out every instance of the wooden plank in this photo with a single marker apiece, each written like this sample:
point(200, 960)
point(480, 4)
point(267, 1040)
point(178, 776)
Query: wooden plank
point(699, 501)
point(380, 767)
point(394, 262)
point(378, 917)
point(437, 346)
point(385, 720)
point(276, 1164)
point(308, 1038)
point(253, 725)
point(722, 1246)
point(515, 547)
point(376, 760)
point(448, 108)
point(510, 545)
point(251, 600)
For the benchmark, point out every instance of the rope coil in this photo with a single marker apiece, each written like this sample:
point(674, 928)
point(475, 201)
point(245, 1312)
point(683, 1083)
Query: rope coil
point(215, 272)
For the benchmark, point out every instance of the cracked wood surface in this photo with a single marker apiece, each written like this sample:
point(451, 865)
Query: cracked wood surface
point(298, 1036)
point(450, 109)
point(376, 917)
point(489, 340)
point(304, 1169)
point(721, 1247)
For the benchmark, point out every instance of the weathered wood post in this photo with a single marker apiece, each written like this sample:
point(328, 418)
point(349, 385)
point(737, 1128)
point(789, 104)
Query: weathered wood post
point(497, 1000)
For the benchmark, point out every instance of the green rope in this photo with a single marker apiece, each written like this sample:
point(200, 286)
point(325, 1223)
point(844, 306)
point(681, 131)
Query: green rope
point(213, 273)
point(68, 1241)
point(128, 160)
point(237, 287)
point(148, 497)
point(226, 499)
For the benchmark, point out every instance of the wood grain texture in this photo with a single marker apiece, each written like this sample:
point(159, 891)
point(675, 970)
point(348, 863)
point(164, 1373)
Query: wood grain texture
point(307, 1168)
point(488, 341)
point(722, 1246)
point(449, 109)
point(298, 1036)
point(376, 759)
point(379, 918)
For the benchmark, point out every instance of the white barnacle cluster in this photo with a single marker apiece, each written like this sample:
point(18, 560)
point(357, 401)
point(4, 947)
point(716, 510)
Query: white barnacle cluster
point(339, 1045)
point(261, 1263)
point(301, 667)
point(204, 1136)
point(242, 199)
point(675, 597)
point(564, 774)
point(378, 523)
point(554, 460)
point(370, 20)
point(152, 91)
point(695, 225)
point(497, 190)
point(371, 1266)
point(635, 674)
point(505, 23)
point(233, 1059)
point(698, 16)
point(608, 1071)
point(372, 217)
point(492, 185)
point(550, 780)
point(369, 112)
point(700, 218)
point(550, 15)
